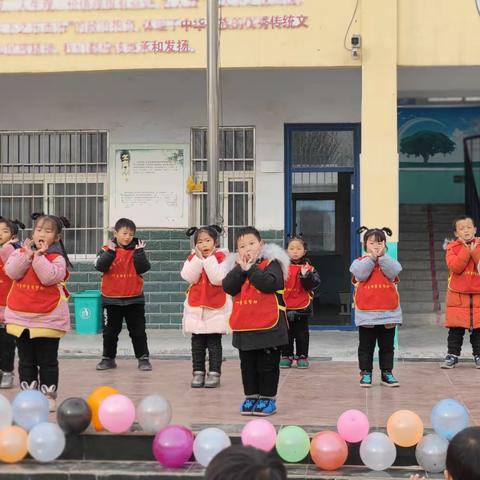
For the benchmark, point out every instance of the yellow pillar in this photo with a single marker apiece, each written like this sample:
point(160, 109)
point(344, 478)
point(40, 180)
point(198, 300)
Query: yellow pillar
point(379, 158)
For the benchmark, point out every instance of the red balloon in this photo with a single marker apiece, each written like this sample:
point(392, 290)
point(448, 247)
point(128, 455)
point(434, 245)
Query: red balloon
point(329, 450)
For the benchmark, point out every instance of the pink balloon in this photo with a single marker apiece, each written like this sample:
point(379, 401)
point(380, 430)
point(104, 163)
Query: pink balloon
point(259, 433)
point(353, 426)
point(116, 413)
point(173, 446)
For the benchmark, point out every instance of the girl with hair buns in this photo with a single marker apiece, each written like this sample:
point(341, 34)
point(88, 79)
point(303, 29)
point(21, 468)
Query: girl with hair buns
point(37, 305)
point(207, 307)
point(377, 305)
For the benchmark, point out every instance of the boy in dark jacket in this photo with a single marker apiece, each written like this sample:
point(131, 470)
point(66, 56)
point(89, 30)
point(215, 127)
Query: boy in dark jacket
point(256, 281)
point(122, 263)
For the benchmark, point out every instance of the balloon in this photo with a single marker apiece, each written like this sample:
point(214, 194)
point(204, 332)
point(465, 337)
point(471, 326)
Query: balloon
point(208, 443)
point(94, 401)
point(117, 413)
point(154, 413)
point(29, 408)
point(377, 451)
point(74, 415)
point(173, 446)
point(46, 442)
point(329, 450)
point(13, 444)
point(405, 428)
point(292, 444)
point(259, 433)
point(6, 415)
point(353, 426)
point(431, 453)
point(448, 417)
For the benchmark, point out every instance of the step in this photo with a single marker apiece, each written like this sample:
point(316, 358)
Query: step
point(419, 307)
point(416, 295)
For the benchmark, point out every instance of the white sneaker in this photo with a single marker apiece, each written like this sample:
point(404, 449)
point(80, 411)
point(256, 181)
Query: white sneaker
point(51, 394)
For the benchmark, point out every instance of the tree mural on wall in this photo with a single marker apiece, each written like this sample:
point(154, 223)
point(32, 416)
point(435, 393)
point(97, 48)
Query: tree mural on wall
point(426, 144)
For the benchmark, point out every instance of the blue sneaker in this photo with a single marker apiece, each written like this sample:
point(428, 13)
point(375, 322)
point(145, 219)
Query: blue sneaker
point(265, 407)
point(247, 406)
point(365, 379)
point(388, 379)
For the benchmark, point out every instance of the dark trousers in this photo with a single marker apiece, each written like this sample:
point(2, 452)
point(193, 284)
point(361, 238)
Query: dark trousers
point(260, 371)
point(455, 340)
point(299, 335)
point(7, 350)
point(200, 344)
point(38, 359)
point(134, 316)
point(368, 338)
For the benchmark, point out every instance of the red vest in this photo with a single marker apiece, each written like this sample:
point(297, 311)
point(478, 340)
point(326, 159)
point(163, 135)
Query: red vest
point(466, 282)
point(28, 295)
point(377, 293)
point(295, 296)
point(203, 293)
point(122, 280)
point(5, 285)
point(253, 309)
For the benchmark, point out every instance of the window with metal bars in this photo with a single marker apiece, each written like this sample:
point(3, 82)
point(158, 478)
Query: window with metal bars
point(61, 173)
point(236, 178)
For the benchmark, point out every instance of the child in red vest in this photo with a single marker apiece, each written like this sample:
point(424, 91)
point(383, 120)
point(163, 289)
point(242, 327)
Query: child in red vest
point(122, 263)
point(37, 305)
point(8, 244)
point(301, 283)
point(377, 305)
point(255, 279)
point(463, 293)
point(207, 307)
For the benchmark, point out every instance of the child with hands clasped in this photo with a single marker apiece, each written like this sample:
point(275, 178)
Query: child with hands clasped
point(255, 279)
point(37, 305)
point(207, 307)
point(377, 305)
point(463, 291)
point(301, 283)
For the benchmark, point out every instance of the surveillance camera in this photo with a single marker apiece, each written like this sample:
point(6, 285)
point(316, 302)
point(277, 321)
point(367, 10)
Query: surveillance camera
point(356, 41)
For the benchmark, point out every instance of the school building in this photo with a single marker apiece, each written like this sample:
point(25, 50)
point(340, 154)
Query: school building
point(334, 114)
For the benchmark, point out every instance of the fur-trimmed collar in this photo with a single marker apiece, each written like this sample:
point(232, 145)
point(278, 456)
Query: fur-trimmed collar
point(270, 251)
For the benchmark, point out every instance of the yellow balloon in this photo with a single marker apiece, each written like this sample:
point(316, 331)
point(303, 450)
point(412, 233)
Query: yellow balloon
point(94, 401)
point(405, 428)
point(13, 444)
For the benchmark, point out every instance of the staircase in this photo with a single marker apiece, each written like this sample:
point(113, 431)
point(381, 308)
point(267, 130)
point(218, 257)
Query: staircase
point(423, 281)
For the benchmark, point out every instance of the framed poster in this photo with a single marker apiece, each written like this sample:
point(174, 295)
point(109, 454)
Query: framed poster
point(148, 185)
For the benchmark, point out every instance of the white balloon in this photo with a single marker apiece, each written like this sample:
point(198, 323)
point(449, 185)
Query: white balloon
point(46, 442)
point(6, 415)
point(208, 443)
point(377, 451)
point(154, 413)
point(431, 453)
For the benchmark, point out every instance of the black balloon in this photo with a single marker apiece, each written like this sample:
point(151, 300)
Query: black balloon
point(74, 415)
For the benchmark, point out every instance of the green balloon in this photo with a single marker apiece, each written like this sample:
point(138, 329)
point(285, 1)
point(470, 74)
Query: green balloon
point(292, 444)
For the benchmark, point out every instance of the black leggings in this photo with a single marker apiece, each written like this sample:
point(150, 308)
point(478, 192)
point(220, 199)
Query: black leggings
point(260, 371)
point(7, 350)
point(368, 338)
point(211, 342)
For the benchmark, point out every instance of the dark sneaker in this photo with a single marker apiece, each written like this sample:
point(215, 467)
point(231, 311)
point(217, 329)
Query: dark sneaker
point(389, 380)
point(7, 380)
point(144, 364)
point(366, 379)
point(106, 364)
point(302, 362)
point(265, 407)
point(450, 361)
point(286, 362)
point(247, 406)
point(212, 380)
point(198, 380)
point(477, 362)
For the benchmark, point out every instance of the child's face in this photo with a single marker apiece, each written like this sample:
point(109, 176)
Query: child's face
point(124, 236)
point(375, 247)
point(250, 246)
point(465, 230)
point(205, 244)
point(296, 250)
point(5, 234)
point(44, 233)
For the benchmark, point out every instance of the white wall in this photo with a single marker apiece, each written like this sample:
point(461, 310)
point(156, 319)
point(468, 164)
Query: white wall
point(161, 107)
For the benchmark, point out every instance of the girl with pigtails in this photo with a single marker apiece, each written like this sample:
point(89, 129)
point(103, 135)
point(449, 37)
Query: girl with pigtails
point(377, 305)
point(37, 305)
point(207, 307)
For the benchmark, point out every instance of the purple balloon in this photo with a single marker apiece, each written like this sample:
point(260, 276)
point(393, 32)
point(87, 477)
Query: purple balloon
point(173, 446)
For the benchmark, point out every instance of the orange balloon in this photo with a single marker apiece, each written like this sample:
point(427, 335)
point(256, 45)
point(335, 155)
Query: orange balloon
point(13, 444)
point(94, 401)
point(329, 450)
point(405, 428)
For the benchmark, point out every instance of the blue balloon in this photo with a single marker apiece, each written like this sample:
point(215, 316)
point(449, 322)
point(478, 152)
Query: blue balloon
point(449, 417)
point(30, 408)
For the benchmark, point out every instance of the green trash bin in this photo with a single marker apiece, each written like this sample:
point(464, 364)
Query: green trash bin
point(88, 311)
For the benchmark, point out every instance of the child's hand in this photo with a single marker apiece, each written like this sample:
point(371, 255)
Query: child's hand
point(27, 245)
point(42, 250)
point(198, 252)
point(111, 245)
point(140, 244)
point(13, 240)
point(306, 268)
point(243, 261)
